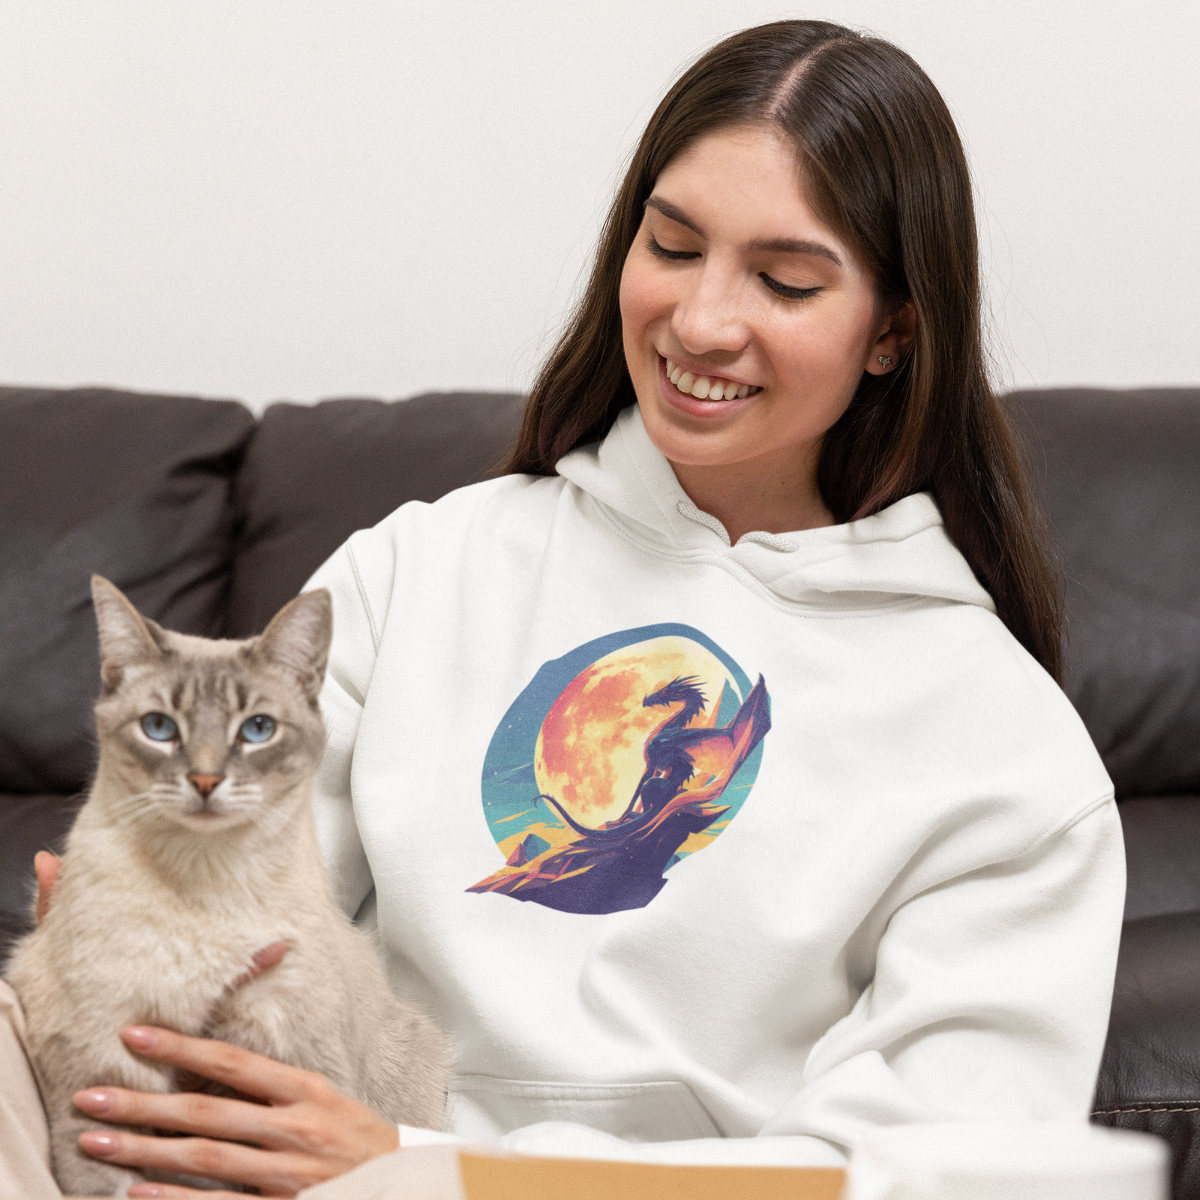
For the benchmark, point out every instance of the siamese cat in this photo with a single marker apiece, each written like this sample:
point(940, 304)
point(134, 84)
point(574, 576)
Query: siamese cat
point(196, 848)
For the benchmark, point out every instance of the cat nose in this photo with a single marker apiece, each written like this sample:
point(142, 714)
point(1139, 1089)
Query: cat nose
point(204, 784)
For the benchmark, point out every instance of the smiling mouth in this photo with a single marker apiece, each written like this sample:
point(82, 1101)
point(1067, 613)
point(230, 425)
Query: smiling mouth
point(707, 387)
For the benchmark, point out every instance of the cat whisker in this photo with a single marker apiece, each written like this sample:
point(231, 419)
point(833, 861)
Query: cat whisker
point(132, 808)
point(133, 817)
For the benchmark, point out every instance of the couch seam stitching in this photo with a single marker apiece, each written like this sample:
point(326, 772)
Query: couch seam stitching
point(1112, 1112)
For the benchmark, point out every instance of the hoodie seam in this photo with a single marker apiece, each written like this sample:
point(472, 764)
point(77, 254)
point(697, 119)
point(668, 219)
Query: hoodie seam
point(1038, 842)
point(740, 575)
point(746, 580)
point(362, 595)
point(1069, 822)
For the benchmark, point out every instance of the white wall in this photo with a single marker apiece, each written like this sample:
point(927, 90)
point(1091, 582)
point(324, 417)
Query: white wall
point(302, 198)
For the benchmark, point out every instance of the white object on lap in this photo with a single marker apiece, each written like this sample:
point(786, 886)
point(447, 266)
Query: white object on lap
point(1007, 1160)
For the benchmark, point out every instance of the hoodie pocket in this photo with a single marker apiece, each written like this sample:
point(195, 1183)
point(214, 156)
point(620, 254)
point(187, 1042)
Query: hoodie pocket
point(484, 1109)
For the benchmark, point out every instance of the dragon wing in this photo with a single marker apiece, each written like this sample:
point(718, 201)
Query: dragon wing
point(717, 754)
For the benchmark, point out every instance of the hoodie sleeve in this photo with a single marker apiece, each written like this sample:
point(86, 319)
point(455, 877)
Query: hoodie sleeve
point(990, 999)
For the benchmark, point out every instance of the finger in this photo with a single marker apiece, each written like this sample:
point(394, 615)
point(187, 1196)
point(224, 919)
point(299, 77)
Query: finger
point(46, 867)
point(185, 1112)
point(280, 1174)
point(262, 961)
point(242, 1070)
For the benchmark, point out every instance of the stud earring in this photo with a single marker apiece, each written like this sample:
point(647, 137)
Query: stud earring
point(884, 361)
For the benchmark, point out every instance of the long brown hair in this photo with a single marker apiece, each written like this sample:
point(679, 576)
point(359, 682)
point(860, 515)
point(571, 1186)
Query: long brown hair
point(882, 163)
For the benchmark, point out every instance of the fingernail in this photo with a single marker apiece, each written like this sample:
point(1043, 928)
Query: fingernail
point(147, 1189)
point(139, 1037)
point(100, 1144)
point(94, 1101)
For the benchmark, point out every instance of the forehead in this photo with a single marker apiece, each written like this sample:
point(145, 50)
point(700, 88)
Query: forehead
point(743, 182)
point(183, 684)
point(199, 671)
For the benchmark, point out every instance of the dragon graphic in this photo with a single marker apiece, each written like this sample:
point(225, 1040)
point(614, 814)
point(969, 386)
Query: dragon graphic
point(619, 865)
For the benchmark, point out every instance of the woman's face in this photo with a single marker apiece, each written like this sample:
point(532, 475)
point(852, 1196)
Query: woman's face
point(733, 282)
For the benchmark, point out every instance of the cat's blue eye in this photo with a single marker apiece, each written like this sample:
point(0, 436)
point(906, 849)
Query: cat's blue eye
point(257, 729)
point(158, 727)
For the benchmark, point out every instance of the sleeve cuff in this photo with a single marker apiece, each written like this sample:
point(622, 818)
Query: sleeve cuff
point(410, 1135)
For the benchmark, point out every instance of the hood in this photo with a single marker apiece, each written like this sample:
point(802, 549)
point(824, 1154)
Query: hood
point(899, 553)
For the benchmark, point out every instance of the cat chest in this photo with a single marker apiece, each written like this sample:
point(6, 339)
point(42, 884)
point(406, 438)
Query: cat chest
point(163, 963)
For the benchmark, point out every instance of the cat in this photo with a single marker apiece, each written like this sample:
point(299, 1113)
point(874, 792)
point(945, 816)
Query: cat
point(195, 849)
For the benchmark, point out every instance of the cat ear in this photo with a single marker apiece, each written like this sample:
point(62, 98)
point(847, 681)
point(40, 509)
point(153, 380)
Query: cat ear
point(297, 640)
point(126, 637)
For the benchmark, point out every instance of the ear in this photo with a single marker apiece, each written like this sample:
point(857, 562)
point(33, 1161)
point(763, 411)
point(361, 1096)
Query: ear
point(895, 339)
point(297, 640)
point(126, 637)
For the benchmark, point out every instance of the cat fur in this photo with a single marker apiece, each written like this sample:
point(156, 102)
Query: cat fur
point(164, 896)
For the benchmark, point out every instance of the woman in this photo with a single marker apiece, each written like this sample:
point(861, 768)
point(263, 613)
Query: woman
point(786, 830)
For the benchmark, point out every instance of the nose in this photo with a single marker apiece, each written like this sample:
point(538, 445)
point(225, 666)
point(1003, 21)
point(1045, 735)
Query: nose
point(204, 784)
point(709, 315)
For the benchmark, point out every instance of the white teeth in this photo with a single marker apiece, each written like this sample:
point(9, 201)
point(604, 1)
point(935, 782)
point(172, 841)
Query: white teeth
point(703, 387)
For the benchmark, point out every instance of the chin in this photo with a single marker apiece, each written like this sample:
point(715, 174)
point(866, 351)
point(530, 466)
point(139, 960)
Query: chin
point(208, 821)
point(685, 446)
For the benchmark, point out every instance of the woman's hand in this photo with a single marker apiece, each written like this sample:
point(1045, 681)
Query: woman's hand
point(301, 1132)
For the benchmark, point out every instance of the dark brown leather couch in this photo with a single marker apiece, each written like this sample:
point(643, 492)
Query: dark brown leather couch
point(210, 520)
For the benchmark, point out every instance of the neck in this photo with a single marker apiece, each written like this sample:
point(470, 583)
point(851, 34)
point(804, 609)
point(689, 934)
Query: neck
point(758, 495)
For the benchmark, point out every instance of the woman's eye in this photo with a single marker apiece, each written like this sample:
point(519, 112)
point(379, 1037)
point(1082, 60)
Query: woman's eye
point(671, 255)
point(257, 729)
point(788, 293)
point(158, 727)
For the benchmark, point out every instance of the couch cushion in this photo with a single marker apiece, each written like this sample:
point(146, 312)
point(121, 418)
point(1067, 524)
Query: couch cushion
point(315, 473)
point(1162, 855)
point(1119, 475)
point(1150, 1075)
point(134, 487)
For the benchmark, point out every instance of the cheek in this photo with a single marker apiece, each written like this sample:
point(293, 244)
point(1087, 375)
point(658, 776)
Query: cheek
point(150, 760)
point(284, 759)
point(642, 299)
point(830, 351)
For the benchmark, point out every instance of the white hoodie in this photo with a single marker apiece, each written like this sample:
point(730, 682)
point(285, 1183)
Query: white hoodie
point(886, 887)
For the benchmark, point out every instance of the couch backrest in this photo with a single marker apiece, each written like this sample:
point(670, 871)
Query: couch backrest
point(137, 488)
point(207, 519)
point(313, 474)
point(1119, 477)
point(210, 521)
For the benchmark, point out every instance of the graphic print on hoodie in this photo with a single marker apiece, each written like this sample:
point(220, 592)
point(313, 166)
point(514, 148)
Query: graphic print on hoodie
point(618, 760)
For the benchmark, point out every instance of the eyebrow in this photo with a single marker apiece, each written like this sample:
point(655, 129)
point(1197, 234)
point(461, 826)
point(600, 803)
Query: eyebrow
point(770, 245)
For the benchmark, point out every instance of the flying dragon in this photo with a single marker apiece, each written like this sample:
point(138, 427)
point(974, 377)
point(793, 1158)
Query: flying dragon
point(619, 865)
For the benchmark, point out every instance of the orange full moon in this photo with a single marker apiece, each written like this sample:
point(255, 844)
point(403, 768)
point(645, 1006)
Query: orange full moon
point(590, 749)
